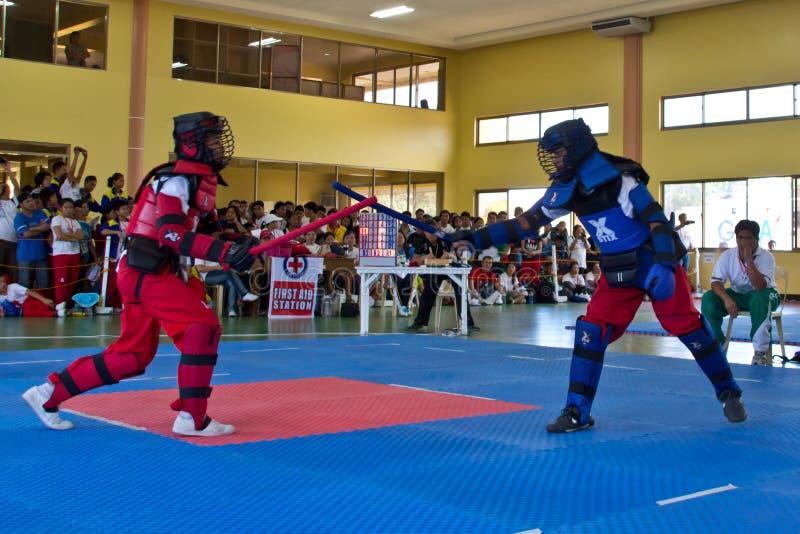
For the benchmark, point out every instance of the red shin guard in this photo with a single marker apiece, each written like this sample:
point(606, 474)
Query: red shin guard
point(90, 372)
point(198, 357)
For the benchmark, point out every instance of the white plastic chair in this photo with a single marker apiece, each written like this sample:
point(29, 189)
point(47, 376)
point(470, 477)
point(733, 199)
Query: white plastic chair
point(445, 291)
point(781, 278)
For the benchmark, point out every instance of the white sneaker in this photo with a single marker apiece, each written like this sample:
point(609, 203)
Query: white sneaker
point(233, 314)
point(250, 297)
point(61, 309)
point(36, 397)
point(403, 311)
point(185, 427)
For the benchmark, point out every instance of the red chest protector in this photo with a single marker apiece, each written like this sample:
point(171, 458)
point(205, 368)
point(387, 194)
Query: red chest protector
point(202, 195)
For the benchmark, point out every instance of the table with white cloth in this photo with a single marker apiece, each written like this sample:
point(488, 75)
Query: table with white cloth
point(459, 276)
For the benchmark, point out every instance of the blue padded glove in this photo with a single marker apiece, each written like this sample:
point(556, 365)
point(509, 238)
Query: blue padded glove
point(660, 282)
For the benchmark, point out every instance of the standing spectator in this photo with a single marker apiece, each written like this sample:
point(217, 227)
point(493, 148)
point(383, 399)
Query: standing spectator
point(71, 186)
point(771, 244)
point(579, 247)
point(686, 238)
point(67, 237)
point(89, 185)
point(33, 227)
point(59, 172)
point(116, 183)
point(88, 252)
point(751, 272)
point(8, 211)
point(41, 181)
point(76, 53)
point(484, 286)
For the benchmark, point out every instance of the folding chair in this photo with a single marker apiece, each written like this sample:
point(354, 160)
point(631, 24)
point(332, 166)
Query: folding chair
point(445, 291)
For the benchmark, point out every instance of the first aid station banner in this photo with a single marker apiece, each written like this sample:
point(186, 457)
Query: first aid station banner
point(294, 286)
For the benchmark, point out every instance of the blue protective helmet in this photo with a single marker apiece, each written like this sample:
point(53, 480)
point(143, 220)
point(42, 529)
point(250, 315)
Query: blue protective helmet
point(564, 147)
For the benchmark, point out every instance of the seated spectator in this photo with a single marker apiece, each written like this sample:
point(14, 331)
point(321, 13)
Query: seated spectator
point(259, 215)
point(213, 274)
point(230, 223)
point(750, 270)
point(484, 286)
point(515, 293)
point(573, 284)
point(16, 299)
point(350, 245)
point(592, 277)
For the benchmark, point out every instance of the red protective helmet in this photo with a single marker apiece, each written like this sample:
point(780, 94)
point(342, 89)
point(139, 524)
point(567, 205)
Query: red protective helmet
point(204, 138)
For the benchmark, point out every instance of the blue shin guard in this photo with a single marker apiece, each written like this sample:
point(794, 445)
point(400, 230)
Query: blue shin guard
point(591, 341)
point(709, 356)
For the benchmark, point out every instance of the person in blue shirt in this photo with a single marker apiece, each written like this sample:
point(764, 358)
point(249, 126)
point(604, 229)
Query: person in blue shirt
point(33, 227)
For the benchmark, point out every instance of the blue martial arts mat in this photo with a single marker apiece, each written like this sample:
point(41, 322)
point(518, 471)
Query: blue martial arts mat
point(740, 332)
point(661, 458)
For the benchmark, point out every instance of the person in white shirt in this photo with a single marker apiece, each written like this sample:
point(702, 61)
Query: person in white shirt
point(71, 186)
point(750, 270)
point(578, 247)
point(67, 238)
point(574, 281)
point(592, 277)
point(515, 293)
point(8, 210)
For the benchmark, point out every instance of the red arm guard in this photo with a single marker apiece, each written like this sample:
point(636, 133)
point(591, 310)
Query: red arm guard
point(173, 233)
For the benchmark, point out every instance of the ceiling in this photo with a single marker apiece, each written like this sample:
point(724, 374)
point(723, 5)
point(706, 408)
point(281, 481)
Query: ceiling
point(455, 24)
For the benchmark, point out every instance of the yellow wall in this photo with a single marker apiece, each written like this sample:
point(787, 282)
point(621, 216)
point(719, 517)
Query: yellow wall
point(279, 126)
point(84, 107)
point(745, 44)
point(560, 71)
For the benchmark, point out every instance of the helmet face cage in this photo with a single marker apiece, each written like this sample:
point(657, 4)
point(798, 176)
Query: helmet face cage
point(204, 138)
point(564, 147)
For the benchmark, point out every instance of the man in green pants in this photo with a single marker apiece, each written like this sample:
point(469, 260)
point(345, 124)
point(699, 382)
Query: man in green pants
point(751, 272)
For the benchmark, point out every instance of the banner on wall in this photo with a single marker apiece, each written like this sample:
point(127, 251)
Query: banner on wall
point(293, 286)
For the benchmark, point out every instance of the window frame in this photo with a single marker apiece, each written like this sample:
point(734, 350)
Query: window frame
point(541, 112)
point(795, 111)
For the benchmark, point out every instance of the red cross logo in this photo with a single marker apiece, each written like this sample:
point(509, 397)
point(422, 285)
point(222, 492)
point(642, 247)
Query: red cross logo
point(296, 264)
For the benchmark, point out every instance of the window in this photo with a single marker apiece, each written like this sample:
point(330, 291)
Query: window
point(29, 27)
point(530, 126)
point(758, 103)
point(509, 199)
point(717, 206)
point(234, 55)
point(83, 25)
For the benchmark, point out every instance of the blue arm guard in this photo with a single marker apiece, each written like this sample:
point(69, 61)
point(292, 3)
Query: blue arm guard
point(510, 231)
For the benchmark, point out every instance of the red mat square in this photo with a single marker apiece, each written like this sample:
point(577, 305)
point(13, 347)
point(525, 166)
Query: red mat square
point(263, 411)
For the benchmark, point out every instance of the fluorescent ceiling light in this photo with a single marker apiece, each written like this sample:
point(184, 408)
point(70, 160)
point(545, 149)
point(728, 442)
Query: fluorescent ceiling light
point(265, 42)
point(7, 3)
point(179, 64)
point(391, 12)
